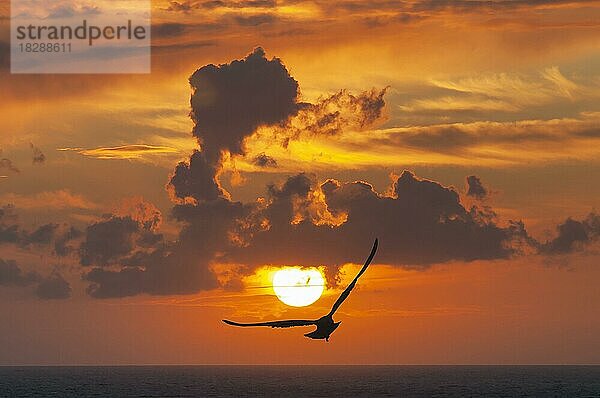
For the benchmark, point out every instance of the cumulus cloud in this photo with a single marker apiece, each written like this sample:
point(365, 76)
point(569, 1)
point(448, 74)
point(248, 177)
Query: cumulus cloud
point(107, 241)
point(423, 223)
point(50, 287)
point(12, 275)
point(573, 235)
point(302, 221)
point(53, 287)
point(61, 236)
point(229, 102)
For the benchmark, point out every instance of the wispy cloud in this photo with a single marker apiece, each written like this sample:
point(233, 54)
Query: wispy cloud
point(134, 151)
point(61, 199)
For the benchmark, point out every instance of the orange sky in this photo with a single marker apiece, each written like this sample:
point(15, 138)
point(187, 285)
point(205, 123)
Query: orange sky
point(504, 90)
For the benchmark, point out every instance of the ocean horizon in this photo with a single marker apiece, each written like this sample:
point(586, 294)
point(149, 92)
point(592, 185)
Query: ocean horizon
point(301, 381)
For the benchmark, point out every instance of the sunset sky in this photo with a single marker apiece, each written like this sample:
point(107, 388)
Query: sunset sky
point(137, 211)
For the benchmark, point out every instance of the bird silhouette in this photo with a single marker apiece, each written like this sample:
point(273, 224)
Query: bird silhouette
point(325, 325)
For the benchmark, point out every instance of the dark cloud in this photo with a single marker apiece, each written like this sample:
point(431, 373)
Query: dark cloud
point(54, 287)
point(442, 139)
point(9, 229)
point(38, 155)
point(299, 221)
point(168, 29)
point(12, 275)
point(573, 235)
point(108, 241)
point(212, 4)
point(62, 244)
point(459, 138)
point(51, 287)
point(228, 103)
point(263, 160)
point(400, 18)
point(255, 20)
point(423, 223)
point(61, 237)
point(475, 188)
point(42, 235)
point(179, 267)
point(197, 179)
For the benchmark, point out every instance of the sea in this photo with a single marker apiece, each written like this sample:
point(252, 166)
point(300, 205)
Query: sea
point(300, 381)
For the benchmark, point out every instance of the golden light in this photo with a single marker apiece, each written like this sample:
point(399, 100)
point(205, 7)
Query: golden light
point(298, 287)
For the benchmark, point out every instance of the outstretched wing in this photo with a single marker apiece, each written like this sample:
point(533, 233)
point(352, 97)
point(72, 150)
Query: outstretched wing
point(274, 324)
point(346, 292)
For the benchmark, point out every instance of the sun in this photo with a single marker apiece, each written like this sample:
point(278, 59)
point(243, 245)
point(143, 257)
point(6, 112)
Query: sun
point(298, 287)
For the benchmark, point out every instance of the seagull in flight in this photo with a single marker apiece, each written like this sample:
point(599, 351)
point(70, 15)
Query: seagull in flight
point(325, 325)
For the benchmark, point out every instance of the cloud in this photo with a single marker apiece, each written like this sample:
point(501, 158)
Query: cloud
point(61, 237)
point(567, 87)
point(503, 92)
point(178, 267)
point(229, 103)
point(469, 143)
point(336, 113)
point(61, 199)
point(263, 160)
point(255, 20)
point(38, 155)
point(8, 165)
point(107, 241)
point(421, 224)
point(51, 287)
point(42, 235)
point(300, 221)
point(168, 29)
point(64, 243)
point(573, 235)
point(71, 10)
point(475, 188)
point(9, 230)
point(183, 6)
point(134, 151)
point(12, 275)
point(189, 6)
point(197, 179)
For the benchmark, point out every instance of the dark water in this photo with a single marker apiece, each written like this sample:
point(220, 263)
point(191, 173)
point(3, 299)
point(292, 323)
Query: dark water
point(301, 381)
